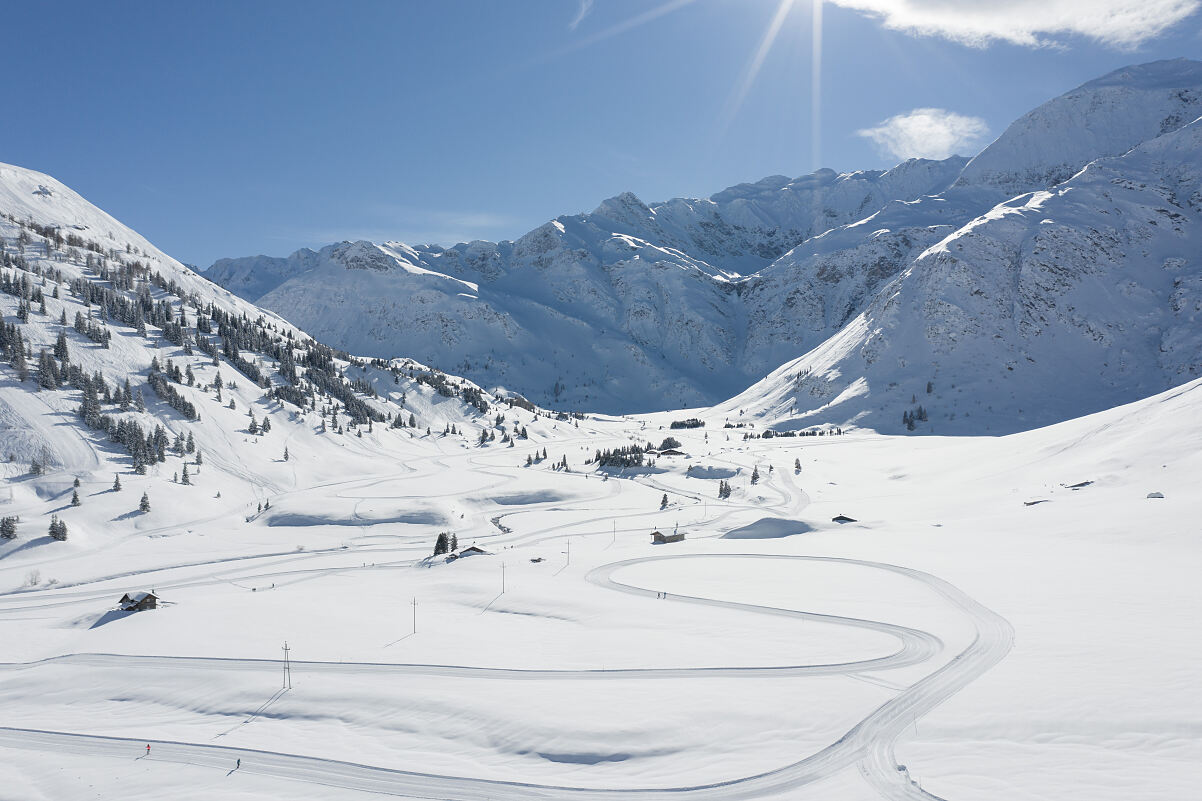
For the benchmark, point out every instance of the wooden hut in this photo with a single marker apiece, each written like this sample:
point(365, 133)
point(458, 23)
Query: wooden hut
point(138, 601)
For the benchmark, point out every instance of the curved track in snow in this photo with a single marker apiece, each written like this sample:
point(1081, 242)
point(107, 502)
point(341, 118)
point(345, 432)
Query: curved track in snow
point(868, 744)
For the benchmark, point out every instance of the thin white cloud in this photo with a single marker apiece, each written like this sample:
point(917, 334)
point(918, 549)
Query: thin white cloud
point(931, 133)
point(586, 8)
point(1124, 24)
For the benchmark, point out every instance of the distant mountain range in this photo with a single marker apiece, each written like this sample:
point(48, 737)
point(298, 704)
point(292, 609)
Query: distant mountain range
point(1054, 274)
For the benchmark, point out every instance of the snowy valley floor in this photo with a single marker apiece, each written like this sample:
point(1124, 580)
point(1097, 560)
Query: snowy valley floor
point(997, 631)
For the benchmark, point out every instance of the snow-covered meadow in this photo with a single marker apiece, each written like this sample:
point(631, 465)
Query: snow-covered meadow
point(997, 631)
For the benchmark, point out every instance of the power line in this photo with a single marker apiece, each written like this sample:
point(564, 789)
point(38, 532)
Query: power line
point(287, 669)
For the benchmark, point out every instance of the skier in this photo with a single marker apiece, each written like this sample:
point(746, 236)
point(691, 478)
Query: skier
point(148, 749)
point(239, 764)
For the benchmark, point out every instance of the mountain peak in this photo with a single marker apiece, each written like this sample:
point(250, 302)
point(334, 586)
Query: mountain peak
point(1104, 117)
point(1166, 74)
point(623, 208)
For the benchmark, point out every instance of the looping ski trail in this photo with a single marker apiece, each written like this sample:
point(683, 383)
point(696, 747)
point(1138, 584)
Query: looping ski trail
point(867, 745)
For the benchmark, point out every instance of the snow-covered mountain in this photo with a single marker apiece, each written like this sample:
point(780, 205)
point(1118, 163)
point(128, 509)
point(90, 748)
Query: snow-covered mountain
point(280, 499)
point(628, 307)
point(636, 307)
point(116, 354)
point(1051, 305)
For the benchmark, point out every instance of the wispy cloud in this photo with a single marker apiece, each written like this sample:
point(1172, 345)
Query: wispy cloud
point(1124, 24)
point(586, 8)
point(932, 133)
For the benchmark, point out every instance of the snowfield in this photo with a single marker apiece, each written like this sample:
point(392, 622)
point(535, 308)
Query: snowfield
point(850, 614)
point(996, 649)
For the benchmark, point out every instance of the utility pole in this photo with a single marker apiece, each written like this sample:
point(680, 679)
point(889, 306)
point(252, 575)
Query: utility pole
point(502, 578)
point(415, 616)
point(569, 539)
point(287, 669)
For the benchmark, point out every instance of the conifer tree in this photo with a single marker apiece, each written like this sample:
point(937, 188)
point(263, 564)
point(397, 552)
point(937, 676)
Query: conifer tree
point(755, 475)
point(285, 453)
point(8, 527)
point(663, 504)
point(185, 478)
point(144, 504)
point(441, 544)
point(454, 545)
point(75, 497)
point(116, 482)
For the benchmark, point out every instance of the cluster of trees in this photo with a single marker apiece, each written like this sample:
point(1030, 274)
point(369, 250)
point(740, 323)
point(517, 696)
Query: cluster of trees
point(769, 433)
point(691, 422)
point(724, 489)
point(627, 456)
point(99, 334)
point(58, 529)
point(8, 527)
point(909, 418)
point(536, 458)
point(447, 542)
point(158, 382)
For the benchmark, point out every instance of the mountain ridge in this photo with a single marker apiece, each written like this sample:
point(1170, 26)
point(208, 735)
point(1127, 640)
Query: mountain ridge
point(683, 303)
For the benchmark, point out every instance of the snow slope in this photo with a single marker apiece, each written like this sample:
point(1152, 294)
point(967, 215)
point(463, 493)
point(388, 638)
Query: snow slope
point(1104, 117)
point(1053, 304)
point(1010, 617)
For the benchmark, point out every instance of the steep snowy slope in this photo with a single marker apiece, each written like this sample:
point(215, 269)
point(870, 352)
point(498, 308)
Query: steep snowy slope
point(629, 307)
point(1052, 305)
point(807, 295)
point(123, 367)
point(1105, 117)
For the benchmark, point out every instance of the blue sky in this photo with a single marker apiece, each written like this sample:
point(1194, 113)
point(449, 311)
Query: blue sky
point(228, 129)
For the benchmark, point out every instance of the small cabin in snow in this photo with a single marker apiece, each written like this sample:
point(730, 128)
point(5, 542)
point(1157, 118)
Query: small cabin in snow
point(659, 538)
point(138, 601)
point(472, 551)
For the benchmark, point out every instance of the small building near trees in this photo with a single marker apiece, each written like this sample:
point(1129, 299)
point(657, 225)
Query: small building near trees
point(138, 601)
